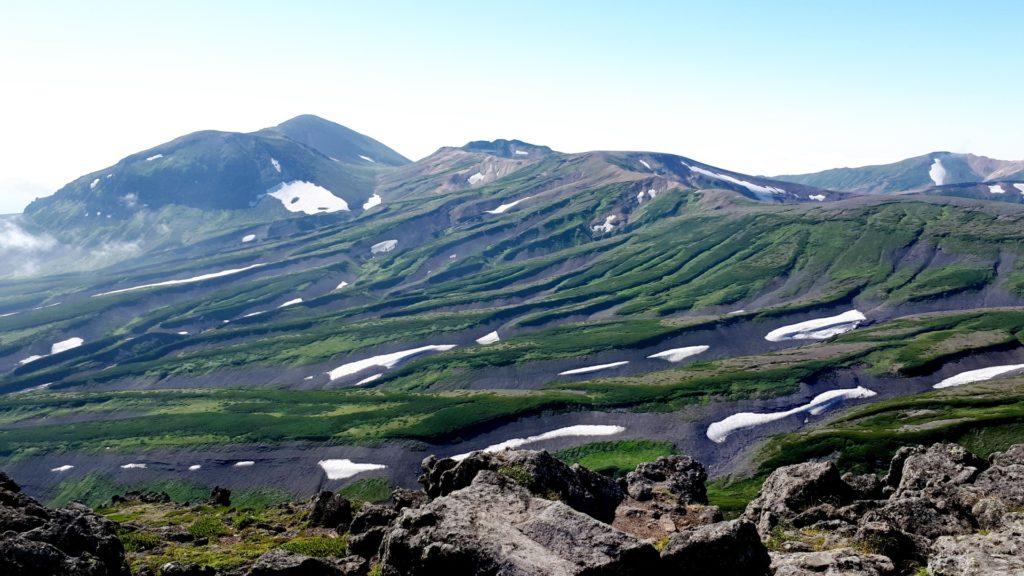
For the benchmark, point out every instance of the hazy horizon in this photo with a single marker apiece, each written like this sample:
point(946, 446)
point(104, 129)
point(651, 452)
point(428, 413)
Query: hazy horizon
point(781, 89)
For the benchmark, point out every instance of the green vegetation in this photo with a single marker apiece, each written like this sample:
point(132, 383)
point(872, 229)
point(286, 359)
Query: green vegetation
point(733, 494)
point(374, 490)
point(208, 526)
point(317, 546)
point(615, 458)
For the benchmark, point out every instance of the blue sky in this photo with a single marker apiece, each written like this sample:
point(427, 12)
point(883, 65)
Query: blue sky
point(757, 87)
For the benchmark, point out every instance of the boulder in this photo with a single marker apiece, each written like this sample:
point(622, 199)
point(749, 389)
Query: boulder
point(331, 510)
point(220, 496)
point(883, 538)
point(539, 472)
point(179, 569)
point(680, 477)
point(1004, 479)
point(282, 563)
point(141, 496)
point(402, 498)
point(368, 528)
point(922, 516)
point(864, 486)
point(936, 471)
point(978, 555)
point(790, 490)
point(495, 526)
point(838, 562)
point(721, 548)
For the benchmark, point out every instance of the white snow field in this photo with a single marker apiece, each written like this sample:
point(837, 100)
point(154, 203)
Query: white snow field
point(385, 361)
point(680, 354)
point(589, 369)
point(937, 172)
point(308, 198)
point(199, 278)
point(383, 247)
point(489, 338)
point(567, 432)
point(64, 345)
point(759, 190)
point(248, 238)
point(373, 200)
point(342, 468)
point(996, 189)
point(506, 207)
point(719, 431)
point(818, 328)
point(977, 375)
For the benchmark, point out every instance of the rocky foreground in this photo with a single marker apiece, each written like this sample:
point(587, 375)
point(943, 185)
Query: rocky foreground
point(940, 510)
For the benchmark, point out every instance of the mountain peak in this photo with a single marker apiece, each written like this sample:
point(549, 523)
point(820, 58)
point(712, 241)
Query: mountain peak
point(507, 148)
point(337, 142)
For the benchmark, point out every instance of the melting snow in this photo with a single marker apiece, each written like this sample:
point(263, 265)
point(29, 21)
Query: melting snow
point(505, 207)
point(276, 165)
point(63, 468)
point(369, 379)
point(199, 278)
point(291, 303)
point(384, 360)
point(996, 189)
point(719, 431)
point(132, 465)
point(251, 314)
point(478, 177)
point(94, 184)
point(589, 369)
point(345, 468)
point(1019, 187)
point(154, 157)
point(183, 333)
point(248, 238)
point(522, 153)
point(680, 354)
point(383, 247)
point(818, 197)
point(640, 197)
point(373, 200)
point(977, 375)
point(608, 226)
point(819, 328)
point(488, 338)
point(195, 467)
point(65, 345)
point(567, 432)
point(757, 189)
point(31, 358)
point(937, 172)
point(342, 285)
point(368, 159)
point(646, 165)
point(243, 463)
point(306, 197)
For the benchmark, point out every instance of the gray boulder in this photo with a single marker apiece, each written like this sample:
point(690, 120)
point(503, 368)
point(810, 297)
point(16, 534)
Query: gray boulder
point(979, 555)
point(922, 516)
point(331, 510)
point(539, 472)
point(721, 548)
point(495, 526)
point(938, 470)
point(838, 562)
point(282, 563)
point(680, 477)
point(790, 490)
point(368, 528)
point(1004, 479)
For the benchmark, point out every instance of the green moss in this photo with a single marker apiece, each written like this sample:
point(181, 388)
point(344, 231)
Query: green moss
point(733, 495)
point(208, 526)
point(317, 546)
point(368, 490)
point(615, 458)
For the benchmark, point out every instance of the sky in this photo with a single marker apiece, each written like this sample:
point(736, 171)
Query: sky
point(756, 87)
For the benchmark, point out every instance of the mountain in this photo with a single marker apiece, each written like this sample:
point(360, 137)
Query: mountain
point(193, 186)
point(935, 169)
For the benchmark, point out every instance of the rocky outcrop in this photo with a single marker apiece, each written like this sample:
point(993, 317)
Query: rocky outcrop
point(282, 563)
point(680, 477)
point(792, 490)
point(331, 510)
point(837, 562)
point(69, 541)
point(495, 526)
point(1000, 552)
point(721, 548)
point(220, 496)
point(539, 472)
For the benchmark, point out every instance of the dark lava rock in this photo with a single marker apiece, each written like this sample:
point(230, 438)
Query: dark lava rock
point(864, 486)
point(539, 472)
point(145, 497)
point(681, 476)
point(999, 552)
point(902, 548)
point(722, 548)
point(66, 541)
point(220, 496)
point(495, 526)
point(368, 528)
point(282, 563)
point(790, 490)
point(838, 562)
point(922, 516)
point(331, 510)
point(179, 569)
point(402, 498)
point(935, 471)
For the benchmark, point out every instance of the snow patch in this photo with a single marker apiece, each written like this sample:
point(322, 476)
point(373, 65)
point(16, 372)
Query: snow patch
point(475, 178)
point(1019, 187)
point(63, 468)
point(199, 278)
point(369, 379)
point(291, 303)
point(759, 190)
point(567, 432)
point(308, 198)
point(646, 165)
point(64, 345)
point(977, 375)
point(608, 226)
point(996, 189)
point(373, 200)
point(368, 159)
point(194, 467)
point(276, 165)
point(243, 463)
point(183, 333)
point(383, 247)
point(506, 207)
point(385, 361)
point(818, 328)
point(248, 238)
point(488, 339)
point(31, 358)
point(521, 153)
point(937, 172)
point(719, 431)
point(94, 184)
point(341, 285)
point(680, 354)
point(818, 197)
point(589, 369)
point(345, 468)
point(132, 466)
point(154, 157)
